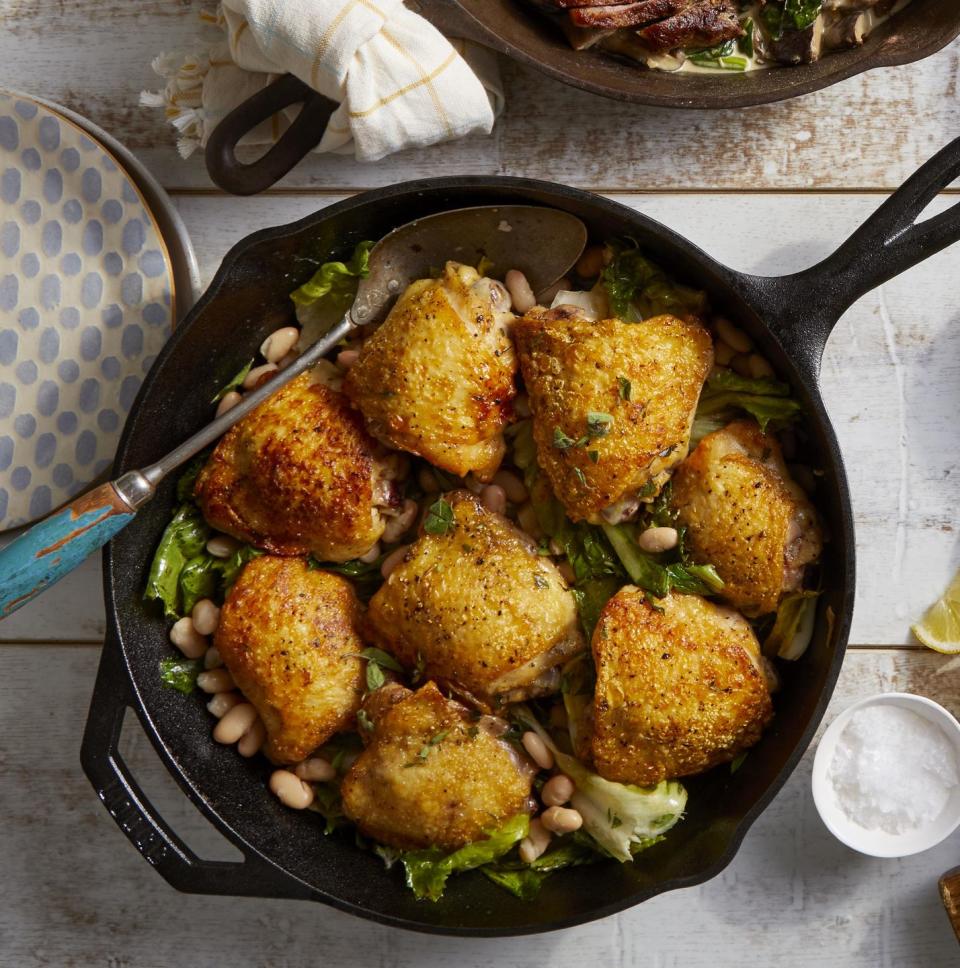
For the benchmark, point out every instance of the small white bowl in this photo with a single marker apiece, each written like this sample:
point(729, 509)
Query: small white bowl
point(879, 843)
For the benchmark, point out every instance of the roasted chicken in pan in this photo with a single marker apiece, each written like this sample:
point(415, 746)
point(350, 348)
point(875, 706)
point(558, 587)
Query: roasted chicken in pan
point(299, 475)
point(478, 609)
point(434, 774)
point(745, 514)
point(437, 378)
point(290, 637)
point(612, 403)
point(680, 687)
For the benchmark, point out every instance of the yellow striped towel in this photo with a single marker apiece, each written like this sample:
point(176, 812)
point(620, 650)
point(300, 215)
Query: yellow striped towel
point(398, 81)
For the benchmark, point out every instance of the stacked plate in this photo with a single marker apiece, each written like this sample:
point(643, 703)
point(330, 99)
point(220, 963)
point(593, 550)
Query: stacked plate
point(95, 268)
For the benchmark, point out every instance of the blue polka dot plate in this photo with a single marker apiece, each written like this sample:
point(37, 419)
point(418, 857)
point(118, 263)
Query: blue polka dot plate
point(86, 302)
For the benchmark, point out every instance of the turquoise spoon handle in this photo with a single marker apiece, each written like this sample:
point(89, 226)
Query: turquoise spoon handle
point(49, 550)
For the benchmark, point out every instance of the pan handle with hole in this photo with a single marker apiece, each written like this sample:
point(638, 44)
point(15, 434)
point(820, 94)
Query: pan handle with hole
point(295, 143)
point(133, 813)
point(803, 308)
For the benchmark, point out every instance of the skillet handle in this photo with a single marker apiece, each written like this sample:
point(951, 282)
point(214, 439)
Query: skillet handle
point(891, 240)
point(136, 817)
point(294, 144)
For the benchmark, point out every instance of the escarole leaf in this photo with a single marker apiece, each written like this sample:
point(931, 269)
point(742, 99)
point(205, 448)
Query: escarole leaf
point(428, 870)
point(233, 384)
point(766, 400)
point(793, 628)
point(525, 880)
point(621, 818)
point(183, 539)
point(638, 289)
point(335, 281)
point(655, 577)
point(180, 674)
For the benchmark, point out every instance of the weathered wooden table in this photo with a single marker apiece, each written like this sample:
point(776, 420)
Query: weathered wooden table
point(767, 190)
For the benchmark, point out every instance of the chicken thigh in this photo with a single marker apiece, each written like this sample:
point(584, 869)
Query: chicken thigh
point(436, 379)
point(289, 635)
point(612, 403)
point(478, 609)
point(746, 516)
point(299, 474)
point(680, 687)
point(434, 774)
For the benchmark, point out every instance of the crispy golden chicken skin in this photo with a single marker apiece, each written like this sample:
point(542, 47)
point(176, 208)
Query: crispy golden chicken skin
point(434, 774)
point(612, 403)
point(745, 515)
point(289, 635)
point(299, 474)
point(479, 608)
point(436, 379)
point(678, 690)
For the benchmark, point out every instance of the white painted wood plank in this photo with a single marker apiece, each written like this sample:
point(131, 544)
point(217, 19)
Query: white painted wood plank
point(905, 559)
point(75, 892)
point(94, 56)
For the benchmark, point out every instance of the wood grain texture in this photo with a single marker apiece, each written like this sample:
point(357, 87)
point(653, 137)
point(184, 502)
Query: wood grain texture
point(891, 380)
point(838, 138)
point(75, 893)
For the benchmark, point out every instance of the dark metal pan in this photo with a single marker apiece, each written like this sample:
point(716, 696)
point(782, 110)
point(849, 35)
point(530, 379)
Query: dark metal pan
point(516, 29)
point(285, 853)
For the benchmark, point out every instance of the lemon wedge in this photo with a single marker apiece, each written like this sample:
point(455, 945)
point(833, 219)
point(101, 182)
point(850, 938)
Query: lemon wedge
point(939, 629)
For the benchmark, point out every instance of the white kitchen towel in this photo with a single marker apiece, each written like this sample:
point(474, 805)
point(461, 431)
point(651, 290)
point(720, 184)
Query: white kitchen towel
point(399, 82)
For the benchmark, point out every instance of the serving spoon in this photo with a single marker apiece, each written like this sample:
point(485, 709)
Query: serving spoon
point(543, 243)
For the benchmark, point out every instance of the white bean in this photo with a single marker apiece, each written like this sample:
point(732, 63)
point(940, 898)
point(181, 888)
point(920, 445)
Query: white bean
point(392, 560)
point(537, 750)
point(759, 367)
point(527, 516)
point(655, 540)
point(206, 617)
point(591, 262)
point(255, 377)
point(535, 843)
point(566, 570)
point(212, 659)
point(290, 790)
point(512, 485)
point(276, 346)
point(735, 338)
point(494, 498)
point(561, 820)
point(557, 791)
point(473, 485)
point(291, 357)
point(723, 354)
point(253, 739)
point(398, 526)
point(216, 680)
point(187, 639)
point(222, 545)
point(741, 364)
point(315, 769)
point(520, 292)
point(223, 702)
point(235, 723)
point(227, 402)
point(369, 557)
point(346, 358)
point(428, 480)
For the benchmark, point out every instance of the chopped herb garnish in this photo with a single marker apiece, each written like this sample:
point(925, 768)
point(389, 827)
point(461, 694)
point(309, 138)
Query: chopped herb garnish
point(364, 721)
point(234, 384)
point(594, 455)
point(540, 581)
point(580, 476)
point(377, 660)
point(419, 668)
point(424, 751)
point(737, 761)
point(598, 424)
point(561, 441)
point(626, 387)
point(439, 519)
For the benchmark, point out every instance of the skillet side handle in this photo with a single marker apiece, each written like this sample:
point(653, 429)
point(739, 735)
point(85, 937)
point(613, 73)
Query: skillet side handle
point(950, 895)
point(135, 816)
point(294, 144)
point(804, 307)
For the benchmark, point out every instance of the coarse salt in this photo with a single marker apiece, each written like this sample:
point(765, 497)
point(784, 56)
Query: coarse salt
point(893, 770)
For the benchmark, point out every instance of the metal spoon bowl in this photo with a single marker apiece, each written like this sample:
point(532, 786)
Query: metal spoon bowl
point(542, 242)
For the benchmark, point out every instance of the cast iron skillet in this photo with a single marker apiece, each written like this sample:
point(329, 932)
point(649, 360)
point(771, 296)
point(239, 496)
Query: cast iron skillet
point(285, 853)
point(515, 28)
